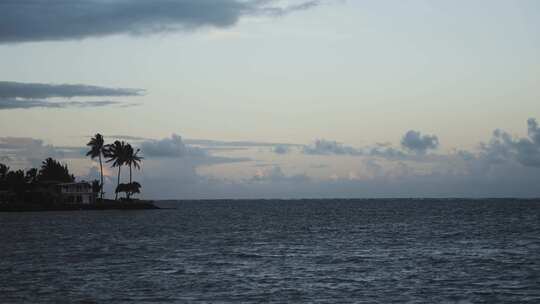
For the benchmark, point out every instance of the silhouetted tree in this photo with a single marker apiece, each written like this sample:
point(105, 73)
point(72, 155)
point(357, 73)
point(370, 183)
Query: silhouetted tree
point(16, 182)
point(116, 153)
point(31, 175)
point(3, 175)
point(132, 160)
point(97, 149)
point(52, 170)
point(3, 172)
point(129, 189)
point(96, 186)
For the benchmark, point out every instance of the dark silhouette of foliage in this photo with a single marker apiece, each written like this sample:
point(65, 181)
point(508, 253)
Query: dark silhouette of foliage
point(117, 154)
point(16, 182)
point(52, 170)
point(129, 189)
point(3, 175)
point(97, 149)
point(31, 175)
point(3, 172)
point(132, 160)
point(96, 186)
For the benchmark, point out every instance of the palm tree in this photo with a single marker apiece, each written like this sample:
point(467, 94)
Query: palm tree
point(53, 170)
point(132, 160)
point(116, 153)
point(3, 171)
point(31, 175)
point(97, 149)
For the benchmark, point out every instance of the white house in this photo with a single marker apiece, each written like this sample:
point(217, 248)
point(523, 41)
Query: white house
point(77, 193)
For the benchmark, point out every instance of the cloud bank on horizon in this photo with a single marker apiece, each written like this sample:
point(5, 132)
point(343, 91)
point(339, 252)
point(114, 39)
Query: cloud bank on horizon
point(18, 95)
point(36, 20)
point(504, 166)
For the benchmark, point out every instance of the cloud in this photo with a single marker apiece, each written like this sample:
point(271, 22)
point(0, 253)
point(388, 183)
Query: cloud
point(275, 174)
point(416, 142)
point(174, 147)
point(29, 152)
point(36, 20)
point(385, 151)
point(10, 89)
point(170, 147)
point(533, 131)
point(498, 169)
point(18, 95)
point(503, 147)
point(125, 137)
point(281, 149)
point(327, 147)
point(504, 166)
point(10, 104)
point(331, 147)
point(222, 143)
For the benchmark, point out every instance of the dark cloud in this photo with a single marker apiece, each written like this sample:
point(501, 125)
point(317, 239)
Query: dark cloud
point(9, 104)
point(331, 147)
point(281, 149)
point(240, 144)
point(37, 20)
point(175, 147)
point(416, 142)
point(386, 151)
point(533, 131)
point(18, 95)
point(279, 11)
point(328, 147)
point(170, 147)
point(9, 89)
point(503, 147)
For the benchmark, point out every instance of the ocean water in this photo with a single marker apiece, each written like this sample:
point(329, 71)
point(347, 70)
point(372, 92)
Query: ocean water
point(325, 251)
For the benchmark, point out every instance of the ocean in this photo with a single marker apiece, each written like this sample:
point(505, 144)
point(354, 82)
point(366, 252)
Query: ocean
point(274, 251)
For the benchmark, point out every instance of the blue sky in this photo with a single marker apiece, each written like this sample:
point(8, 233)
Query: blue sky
point(282, 98)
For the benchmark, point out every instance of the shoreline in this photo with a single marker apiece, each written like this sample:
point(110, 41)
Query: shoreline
point(103, 205)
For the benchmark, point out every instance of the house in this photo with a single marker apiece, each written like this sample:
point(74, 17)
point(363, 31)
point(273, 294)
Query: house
point(76, 193)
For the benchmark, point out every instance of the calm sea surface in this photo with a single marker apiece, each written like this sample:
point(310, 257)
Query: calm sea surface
point(327, 251)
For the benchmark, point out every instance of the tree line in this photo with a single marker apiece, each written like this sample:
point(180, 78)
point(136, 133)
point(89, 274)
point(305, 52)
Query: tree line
point(20, 182)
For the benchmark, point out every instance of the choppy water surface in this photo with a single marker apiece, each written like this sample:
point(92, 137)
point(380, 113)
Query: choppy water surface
point(362, 251)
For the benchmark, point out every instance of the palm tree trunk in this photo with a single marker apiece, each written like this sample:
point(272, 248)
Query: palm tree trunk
point(128, 194)
point(101, 169)
point(117, 184)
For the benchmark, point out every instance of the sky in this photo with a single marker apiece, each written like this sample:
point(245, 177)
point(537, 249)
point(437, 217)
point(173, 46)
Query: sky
point(279, 99)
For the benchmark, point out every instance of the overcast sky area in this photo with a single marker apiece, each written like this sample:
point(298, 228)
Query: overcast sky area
point(280, 99)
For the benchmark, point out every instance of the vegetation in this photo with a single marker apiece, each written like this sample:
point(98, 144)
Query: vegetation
point(36, 185)
point(22, 185)
point(119, 154)
point(97, 149)
point(54, 171)
point(129, 189)
point(132, 160)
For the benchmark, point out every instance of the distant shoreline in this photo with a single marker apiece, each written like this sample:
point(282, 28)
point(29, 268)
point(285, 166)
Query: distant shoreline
point(105, 205)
